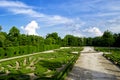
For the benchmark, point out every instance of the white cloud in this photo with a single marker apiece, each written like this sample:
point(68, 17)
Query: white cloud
point(94, 31)
point(28, 12)
point(12, 4)
point(51, 20)
point(31, 28)
point(108, 14)
point(17, 7)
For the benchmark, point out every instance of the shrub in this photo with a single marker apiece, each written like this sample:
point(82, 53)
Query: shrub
point(23, 50)
point(9, 51)
point(2, 52)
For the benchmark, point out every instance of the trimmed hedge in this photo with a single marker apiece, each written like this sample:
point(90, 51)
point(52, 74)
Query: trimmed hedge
point(22, 50)
point(9, 52)
point(2, 51)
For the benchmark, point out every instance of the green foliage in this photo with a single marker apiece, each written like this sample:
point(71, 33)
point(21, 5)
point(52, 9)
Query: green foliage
point(26, 44)
point(49, 41)
point(42, 65)
point(107, 38)
point(40, 70)
point(117, 40)
point(70, 40)
point(13, 36)
point(114, 56)
point(9, 51)
point(2, 39)
point(23, 49)
point(14, 32)
point(2, 51)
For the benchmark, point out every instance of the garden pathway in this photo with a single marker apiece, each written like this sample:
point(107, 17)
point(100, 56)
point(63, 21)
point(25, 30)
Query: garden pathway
point(92, 65)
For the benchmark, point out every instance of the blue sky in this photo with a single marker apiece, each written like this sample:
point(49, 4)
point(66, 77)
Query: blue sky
point(87, 18)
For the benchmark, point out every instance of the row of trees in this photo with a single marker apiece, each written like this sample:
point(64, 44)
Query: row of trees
point(14, 38)
point(106, 40)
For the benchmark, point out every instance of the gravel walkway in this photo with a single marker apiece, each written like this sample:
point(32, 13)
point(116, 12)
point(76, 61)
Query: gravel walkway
point(92, 65)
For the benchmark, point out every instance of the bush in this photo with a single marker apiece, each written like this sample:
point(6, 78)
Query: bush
point(23, 50)
point(9, 51)
point(2, 52)
point(39, 71)
point(49, 47)
point(41, 48)
point(16, 51)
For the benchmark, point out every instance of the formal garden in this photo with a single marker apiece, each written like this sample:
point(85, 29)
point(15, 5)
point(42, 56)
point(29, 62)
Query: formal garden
point(48, 66)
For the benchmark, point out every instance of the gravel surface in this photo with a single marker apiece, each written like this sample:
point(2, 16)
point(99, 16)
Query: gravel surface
point(91, 65)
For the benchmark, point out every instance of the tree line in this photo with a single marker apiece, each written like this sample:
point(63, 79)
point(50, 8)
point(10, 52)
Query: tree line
point(108, 39)
point(14, 43)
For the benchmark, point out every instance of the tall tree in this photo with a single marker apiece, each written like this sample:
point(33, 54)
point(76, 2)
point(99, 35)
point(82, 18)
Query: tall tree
point(13, 36)
point(117, 40)
point(54, 36)
point(97, 41)
point(107, 38)
point(70, 40)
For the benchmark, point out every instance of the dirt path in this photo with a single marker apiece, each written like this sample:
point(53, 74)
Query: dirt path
point(92, 65)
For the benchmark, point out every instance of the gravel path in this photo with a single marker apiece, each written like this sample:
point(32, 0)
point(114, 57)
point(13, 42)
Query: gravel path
point(92, 65)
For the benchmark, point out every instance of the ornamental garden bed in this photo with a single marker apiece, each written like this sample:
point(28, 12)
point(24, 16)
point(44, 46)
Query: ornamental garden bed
point(43, 66)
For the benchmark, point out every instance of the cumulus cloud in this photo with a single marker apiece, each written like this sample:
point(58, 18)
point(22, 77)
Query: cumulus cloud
point(94, 30)
point(31, 28)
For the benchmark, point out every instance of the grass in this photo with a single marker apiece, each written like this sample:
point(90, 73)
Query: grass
point(41, 65)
